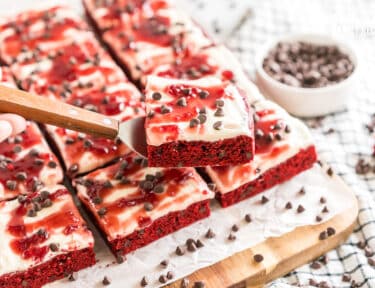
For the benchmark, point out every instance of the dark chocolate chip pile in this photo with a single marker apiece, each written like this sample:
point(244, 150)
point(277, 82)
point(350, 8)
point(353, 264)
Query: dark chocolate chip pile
point(302, 64)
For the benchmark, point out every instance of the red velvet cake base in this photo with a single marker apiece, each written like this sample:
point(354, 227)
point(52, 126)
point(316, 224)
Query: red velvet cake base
point(225, 152)
point(57, 268)
point(276, 175)
point(161, 227)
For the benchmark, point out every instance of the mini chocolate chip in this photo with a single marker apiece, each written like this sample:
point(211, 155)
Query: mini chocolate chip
point(288, 205)
point(346, 277)
point(52, 164)
point(325, 209)
point(73, 168)
point(31, 213)
point(202, 110)
point(278, 137)
point(164, 263)
point(162, 279)
point(11, 185)
point(300, 209)
point(202, 118)
point(54, 247)
point(170, 275)
point(194, 122)
point(371, 261)
point(180, 251)
point(199, 243)
point(151, 114)
point(269, 137)
point(219, 112)
point(87, 143)
point(17, 149)
point(185, 283)
point(47, 203)
point(191, 247)
point(182, 102)
point(159, 188)
point(148, 206)
point(186, 91)
point(235, 228)
point(323, 235)
point(361, 245)
point(330, 171)
point(97, 200)
point(232, 237)
point(302, 191)
point(106, 281)
point(210, 234)
point(73, 277)
point(315, 265)
point(331, 231)
point(368, 252)
point(287, 129)
point(34, 153)
point(190, 241)
point(259, 133)
point(144, 281)
point(21, 199)
point(322, 200)
point(165, 109)
point(219, 103)
point(102, 211)
point(313, 282)
point(264, 200)
point(37, 207)
point(120, 258)
point(199, 284)
point(156, 96)
point(258, 258)
point(203, 94)
point(318, 218)
point(248, 218)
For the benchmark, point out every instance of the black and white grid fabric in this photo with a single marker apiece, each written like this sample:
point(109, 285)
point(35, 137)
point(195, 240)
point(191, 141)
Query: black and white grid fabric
point(342, 138)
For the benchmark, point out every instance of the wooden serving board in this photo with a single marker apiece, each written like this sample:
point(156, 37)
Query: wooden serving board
point(281, 254)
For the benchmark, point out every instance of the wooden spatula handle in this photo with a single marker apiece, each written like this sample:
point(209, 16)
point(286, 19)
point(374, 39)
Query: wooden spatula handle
point(44, 110)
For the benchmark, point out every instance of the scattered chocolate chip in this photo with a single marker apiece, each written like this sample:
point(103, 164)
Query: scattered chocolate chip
point(210, 234)
point(163, 279)
point(102, 211)
point(346, 277)
point(164, 263)
point(287, 129)
point(248, 218)
point(323, 200)
point(199, 284)
point(202, 118)
point(120, 258)
point(235, 228)
point(185, 283)
point(54, 247)
point(371, 261)
point(325, 209)
point(158, 189)
point(361, 245)
point(288, 205)
point(315, 265)
point(258, 258)
point(331, 231)
point(11, 185)
point(203, 94)
point(31, 213)
point(313, 282)
point(330, 171)
point(323, 235)
point(232, 237)
point(144, 281)
point(73, 277)
point(97, 200)
point(21, 199)
point(199, 244)
point(218, 125)
point(318, 218)
point(219, 112)
point(194, 122)
point(156, 96)
point(17, 149)
point(186, 91)
point(182, 102)
point(264, 200)
point(170, 275)
point(300, 209)
point(191, 247)
point(148, 206)
point(52, 164)
point(165, 109)
point(106, 281)
point(180, 251)
point(302, 191)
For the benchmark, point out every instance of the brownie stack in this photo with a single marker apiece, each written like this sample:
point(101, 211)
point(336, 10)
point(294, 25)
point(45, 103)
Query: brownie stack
point(201, 109)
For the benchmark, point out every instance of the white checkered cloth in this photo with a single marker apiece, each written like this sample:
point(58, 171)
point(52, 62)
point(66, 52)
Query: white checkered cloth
point(354, 20)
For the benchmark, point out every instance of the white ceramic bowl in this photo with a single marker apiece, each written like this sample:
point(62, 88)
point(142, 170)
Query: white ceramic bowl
point(307, 102)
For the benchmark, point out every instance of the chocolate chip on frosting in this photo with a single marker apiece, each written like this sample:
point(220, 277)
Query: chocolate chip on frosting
point(218, 125)
point(164, 263)
point(148, 206)
point(202, 118)
point(300, 209)
point(258, 258)
point(156, 96)
point(194, 122)
point(210, 234)
point(219, 112)
point(248, 218)
point(165, 109)
point(182, 102)
point(264, 200)
point(180, 251)
point(203, 94)
point(219, 103)
point(102, 211)
point(144, 281)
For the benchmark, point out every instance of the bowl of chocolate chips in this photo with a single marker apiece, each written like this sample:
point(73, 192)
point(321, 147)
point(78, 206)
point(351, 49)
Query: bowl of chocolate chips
point(309, 75)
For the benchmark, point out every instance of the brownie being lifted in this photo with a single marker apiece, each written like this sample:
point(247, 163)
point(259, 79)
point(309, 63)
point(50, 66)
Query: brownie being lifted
point(134, 205)
point(283, 149)
point(197, 123)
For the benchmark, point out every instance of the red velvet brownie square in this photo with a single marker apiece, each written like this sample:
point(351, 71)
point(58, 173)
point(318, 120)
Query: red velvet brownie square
point(215, 61)
point(80, 72)
point(43, 238)
point(135, 205)
point(192, 123)
point(147, 35)
point(32, 34)
point(283, 148)
point(27, 164)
